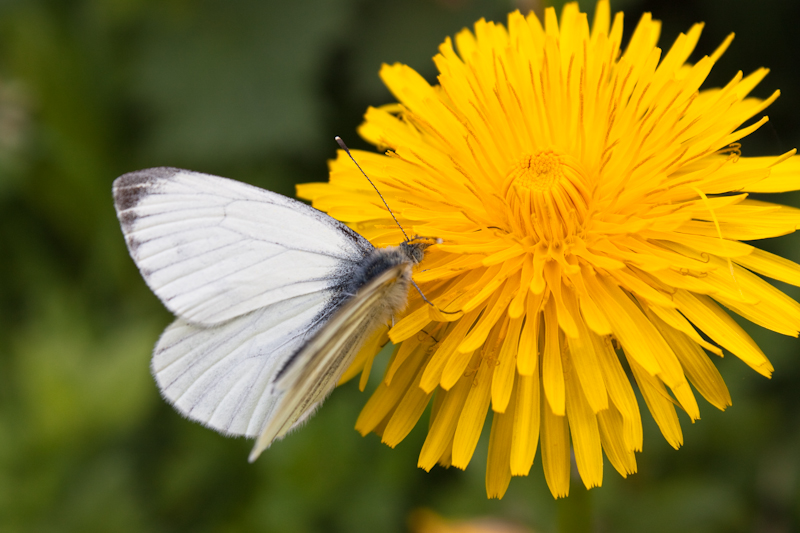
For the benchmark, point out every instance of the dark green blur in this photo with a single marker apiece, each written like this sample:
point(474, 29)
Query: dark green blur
point(256, 90)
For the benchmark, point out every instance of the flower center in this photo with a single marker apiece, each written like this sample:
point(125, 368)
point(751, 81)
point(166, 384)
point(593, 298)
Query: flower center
point(547, 196)
point(538, 172)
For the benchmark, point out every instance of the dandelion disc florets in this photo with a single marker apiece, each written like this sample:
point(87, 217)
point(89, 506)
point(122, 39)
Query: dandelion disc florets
point(592, 203)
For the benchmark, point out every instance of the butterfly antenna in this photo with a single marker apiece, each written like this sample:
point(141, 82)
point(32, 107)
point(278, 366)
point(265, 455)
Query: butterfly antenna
point(346, 149)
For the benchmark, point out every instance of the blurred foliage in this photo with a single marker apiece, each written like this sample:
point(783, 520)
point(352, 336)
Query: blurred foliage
point(256, 91)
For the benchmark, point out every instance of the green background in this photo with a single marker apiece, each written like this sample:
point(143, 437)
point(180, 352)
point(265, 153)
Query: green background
point(256, 90)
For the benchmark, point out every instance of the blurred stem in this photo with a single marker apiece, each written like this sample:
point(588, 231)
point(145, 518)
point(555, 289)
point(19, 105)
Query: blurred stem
point(575, 511)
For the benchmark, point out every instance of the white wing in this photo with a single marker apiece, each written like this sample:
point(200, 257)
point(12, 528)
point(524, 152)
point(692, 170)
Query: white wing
point(222, 376)
point(213, 249)
point(312, 373)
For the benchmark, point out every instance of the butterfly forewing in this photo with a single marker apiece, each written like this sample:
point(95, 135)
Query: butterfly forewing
point(213, 249)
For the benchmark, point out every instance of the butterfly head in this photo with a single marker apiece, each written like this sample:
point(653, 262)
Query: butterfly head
point(414, 248)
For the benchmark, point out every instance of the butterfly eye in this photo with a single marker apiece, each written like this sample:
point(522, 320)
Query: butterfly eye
point(417, 254)
point(415, 251)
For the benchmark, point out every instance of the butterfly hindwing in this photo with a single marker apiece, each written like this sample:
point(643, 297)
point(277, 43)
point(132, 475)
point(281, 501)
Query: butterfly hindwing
point(222, 376)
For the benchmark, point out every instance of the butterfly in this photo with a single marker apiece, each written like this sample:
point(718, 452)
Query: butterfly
point(273, 298)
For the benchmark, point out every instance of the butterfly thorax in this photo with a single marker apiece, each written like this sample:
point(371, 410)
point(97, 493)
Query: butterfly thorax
point(381, 259)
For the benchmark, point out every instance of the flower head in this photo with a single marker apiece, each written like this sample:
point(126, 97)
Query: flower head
point(592, 203)
point(427, 521)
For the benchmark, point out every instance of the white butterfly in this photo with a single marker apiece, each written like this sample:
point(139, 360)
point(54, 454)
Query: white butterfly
point(273, 298)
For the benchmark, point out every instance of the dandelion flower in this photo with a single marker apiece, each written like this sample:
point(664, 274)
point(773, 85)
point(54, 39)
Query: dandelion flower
point(593, 204)
point(427, 521)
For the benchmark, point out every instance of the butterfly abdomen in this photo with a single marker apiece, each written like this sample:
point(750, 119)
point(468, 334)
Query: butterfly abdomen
point(379, 261)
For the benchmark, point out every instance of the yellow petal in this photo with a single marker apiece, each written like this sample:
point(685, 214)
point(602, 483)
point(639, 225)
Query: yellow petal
point(771, 265)
point(453, 336)
point(595, 318)
point(555, 451)
point(783, 176)
point(584, 432)
point(698, 367)
point(672, 374)
point(528, 354)
point(504, 372)
point(612, 431)
point(636, 334)
point(386, 397)
point(620, 392)
point(473, 415)
point(407, 413)
point(526, 425)
point(495, 308)
point(443, 428)
point(718, 325)
point(552, 373)
point(678, 322)
point(585, 364)
point(517, 307)
point(498, 467)
point(421, 341)
point(659, 403)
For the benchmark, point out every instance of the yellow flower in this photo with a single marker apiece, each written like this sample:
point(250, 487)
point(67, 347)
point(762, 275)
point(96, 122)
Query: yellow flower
point(427, 521)
point(592, 204)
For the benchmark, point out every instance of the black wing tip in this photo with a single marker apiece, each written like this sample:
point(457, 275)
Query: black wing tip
point(129, 188)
